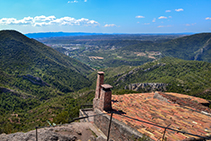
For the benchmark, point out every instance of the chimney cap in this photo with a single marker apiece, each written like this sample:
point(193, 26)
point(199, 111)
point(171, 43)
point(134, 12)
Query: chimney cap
point(106, 86)
point(100, 72)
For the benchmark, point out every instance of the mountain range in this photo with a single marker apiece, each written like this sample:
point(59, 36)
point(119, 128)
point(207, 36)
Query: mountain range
point(38, 83)
point(193, 47)
point(102, 51)
point(58, 34)
point(63, 34)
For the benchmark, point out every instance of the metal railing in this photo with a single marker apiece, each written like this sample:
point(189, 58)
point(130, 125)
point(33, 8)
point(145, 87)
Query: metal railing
point(165, 128)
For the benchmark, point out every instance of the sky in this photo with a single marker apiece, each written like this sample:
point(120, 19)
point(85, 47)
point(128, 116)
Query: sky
point(106, 16)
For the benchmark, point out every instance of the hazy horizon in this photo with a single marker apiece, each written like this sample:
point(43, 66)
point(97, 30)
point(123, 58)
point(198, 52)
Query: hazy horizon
point(106, 16)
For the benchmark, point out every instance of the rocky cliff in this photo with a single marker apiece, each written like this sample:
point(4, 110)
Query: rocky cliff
point(147, 86)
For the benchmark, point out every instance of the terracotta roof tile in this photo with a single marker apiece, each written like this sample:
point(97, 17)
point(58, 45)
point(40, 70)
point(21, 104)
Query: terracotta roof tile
point(199, 100)
point(144, 107)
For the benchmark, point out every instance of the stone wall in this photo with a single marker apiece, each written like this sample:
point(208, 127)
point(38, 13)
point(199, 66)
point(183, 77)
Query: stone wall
point(119, 131)
point(86, 112)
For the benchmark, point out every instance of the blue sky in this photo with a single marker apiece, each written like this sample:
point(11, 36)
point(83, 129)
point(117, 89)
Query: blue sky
point(106, 16)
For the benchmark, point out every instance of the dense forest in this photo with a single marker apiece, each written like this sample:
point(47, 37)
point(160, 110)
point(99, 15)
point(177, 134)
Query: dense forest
point(32, 75)
point(39, 84)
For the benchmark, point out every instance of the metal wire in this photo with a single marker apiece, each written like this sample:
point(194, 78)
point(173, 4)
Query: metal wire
point(183, 132)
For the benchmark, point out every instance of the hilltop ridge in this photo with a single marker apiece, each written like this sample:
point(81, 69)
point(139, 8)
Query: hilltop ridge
point(21, 55)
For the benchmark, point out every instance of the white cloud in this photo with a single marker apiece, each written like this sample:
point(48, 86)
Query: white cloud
point(164, 26)
point(162, 17)
point(178, 10)
point(190, 24)
point(85, 0)
point(49, 20)
point(140, 17)
point(75, 1)
point(168, 10)
point(109, 25)
point(154, 20)
point(13, 21)
point(44, 18)
point(208, 18)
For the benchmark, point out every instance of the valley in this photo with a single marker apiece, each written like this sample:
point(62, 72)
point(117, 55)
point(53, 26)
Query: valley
point(102, 56)
point(102, 51)
point(48, 79)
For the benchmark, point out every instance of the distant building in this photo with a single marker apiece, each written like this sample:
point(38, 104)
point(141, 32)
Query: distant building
point(149, 114)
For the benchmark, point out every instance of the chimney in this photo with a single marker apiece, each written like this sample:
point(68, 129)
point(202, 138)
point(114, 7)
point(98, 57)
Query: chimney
point(102, 100)
point(105, 97)
point(100, 81)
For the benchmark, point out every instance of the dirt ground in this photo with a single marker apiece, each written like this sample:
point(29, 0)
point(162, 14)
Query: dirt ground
point(77, 131)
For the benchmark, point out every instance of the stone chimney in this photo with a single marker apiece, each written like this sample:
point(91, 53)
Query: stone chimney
point(105, 97)
point(100, 81)
point(102, 100)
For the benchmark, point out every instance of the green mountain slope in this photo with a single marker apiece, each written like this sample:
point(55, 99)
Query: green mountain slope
point(188, 77)
point(18, 114)
point(22, 57)
point(194, 47)
point(35, 81)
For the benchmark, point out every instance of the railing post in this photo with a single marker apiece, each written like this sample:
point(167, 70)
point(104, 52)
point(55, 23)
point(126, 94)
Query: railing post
point(109, 126)
point(36, 134)
point(165, 132)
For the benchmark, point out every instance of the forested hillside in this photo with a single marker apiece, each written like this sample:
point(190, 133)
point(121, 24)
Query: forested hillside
point(33, 77)
point(21, 113)
point(194, 47)
point(22, 57)
point(187, 77)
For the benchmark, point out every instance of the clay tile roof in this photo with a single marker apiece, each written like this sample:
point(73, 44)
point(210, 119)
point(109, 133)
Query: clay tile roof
point(106, 86)
point(193, 103)
point(151, 111)
point(197, 99)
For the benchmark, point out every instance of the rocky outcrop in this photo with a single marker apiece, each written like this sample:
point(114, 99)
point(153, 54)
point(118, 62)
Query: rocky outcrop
point(35, 80)
point(147, 86)
point(201, 50)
